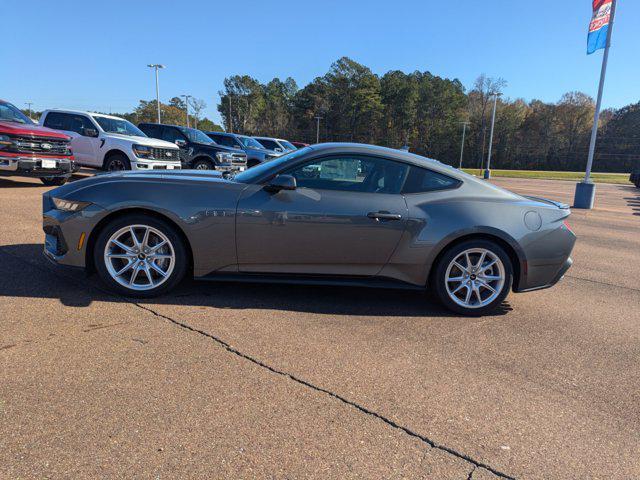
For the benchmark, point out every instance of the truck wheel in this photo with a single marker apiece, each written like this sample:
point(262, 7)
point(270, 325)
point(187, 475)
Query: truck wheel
point(117, 162)
point(203, 164)
point(54, 181)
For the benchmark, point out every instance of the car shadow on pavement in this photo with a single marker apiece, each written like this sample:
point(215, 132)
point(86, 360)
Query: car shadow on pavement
point(633, 201)
point(25, 273)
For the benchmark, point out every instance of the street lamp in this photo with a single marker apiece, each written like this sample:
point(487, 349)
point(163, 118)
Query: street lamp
point(464, 131)
point(487, 172)
point(318, 118)
point(186, 105)
point(157, 66)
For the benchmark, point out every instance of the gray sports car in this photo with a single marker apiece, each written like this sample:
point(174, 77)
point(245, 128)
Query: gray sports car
point(345, 214)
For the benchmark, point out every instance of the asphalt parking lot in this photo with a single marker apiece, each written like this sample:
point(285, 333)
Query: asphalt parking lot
point(256, 381)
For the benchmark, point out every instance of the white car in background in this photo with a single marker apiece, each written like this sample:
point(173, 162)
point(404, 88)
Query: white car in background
point(276, 144)
point(111, 143)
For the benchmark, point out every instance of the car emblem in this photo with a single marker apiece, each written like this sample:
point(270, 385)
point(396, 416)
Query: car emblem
point(45, 146)
point(168, 154)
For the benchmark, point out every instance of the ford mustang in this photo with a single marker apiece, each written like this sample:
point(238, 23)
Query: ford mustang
point(345, 214)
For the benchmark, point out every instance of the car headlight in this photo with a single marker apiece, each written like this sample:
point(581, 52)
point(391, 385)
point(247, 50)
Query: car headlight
point(142, 151)
point(69, 205)
point(224, 157)
point(5, 141)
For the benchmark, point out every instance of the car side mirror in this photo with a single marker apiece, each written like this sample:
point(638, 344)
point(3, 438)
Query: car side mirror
point(90, 132)
point(277, 149)
point(181, 143)
point(281, 182)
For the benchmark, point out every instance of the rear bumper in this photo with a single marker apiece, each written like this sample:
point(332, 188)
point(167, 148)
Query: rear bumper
point(555, 279)
point(33, 166)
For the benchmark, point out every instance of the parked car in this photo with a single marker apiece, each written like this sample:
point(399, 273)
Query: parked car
point(256, 153)
point(299, 144)
point(197, 151)
point(635, 175)
point(29, 150)
point(373, 216)
point(111, 143)
point(276, 144)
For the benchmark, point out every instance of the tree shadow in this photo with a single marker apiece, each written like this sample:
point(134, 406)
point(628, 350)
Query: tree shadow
point(25, 273)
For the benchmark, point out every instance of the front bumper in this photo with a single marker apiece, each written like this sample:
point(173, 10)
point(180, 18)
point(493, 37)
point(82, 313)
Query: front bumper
point(140, 164)
point(37, 166)
point(230, 167)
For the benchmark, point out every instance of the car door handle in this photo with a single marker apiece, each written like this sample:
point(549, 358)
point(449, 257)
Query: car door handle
point(384, 216)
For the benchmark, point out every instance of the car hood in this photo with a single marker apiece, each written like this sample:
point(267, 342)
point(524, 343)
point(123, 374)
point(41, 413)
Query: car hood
point(146, 141)
point(12, 128)
point(219, 148)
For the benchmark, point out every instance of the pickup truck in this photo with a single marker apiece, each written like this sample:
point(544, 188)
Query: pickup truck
point(197, 151)
point(256, 153)
point(111, 143)
point(31, 151)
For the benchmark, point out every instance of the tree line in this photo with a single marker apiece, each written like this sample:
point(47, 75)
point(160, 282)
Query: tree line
point(425, 113)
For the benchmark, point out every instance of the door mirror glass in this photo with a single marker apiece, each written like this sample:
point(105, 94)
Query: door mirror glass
point(181, 143)
point(281, 182)
point(90, 132)
point(277, 149)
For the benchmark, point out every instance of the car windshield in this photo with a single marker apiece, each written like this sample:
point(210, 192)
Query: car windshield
point(287, 145)
point(250, 142)
point(196, 136)
point(251, 175)
point(119, 126)
point(9, 113)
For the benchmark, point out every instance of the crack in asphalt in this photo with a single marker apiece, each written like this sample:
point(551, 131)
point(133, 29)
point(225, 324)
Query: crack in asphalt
point(603, 283)
point(432, 443)
point(470, 476)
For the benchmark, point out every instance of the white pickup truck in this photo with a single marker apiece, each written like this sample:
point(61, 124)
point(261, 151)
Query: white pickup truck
point(111, 143)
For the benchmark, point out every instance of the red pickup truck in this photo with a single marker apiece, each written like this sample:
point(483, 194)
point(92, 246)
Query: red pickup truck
point(29, 150)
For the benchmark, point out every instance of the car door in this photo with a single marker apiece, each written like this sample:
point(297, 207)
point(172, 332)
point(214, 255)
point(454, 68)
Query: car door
point(345, 217)
point(173, 135)
point(84, 147)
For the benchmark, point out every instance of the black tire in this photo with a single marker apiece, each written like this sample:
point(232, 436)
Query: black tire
point(179, 249)
point(252, 163)
point(203, 164)
point(438, 277)
point(117, 162)
point(54, 181)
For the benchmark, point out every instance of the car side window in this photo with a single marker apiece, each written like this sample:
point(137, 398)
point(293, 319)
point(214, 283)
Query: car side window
point(79, 123)
point(171, 134)
point(223, 140)
point(55, 120)
point(353, 174)
point(270, 144)
point(422, 180)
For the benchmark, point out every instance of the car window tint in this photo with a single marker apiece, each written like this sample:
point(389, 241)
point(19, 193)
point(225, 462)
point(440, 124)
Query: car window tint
point(171, 134)
point(55, 120)
point(270, 144)
point(150, 130)
point(79, 123)
point(355, 174)
point(424, 180)
point(224, 140)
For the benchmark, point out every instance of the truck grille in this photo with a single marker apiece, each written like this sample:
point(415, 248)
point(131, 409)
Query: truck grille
point(239, 159)
point(168, 154)
point(42, 145)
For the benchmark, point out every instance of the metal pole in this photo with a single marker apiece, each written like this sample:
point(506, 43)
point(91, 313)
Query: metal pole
point(157, 93)
point(28, 104)
point(318, 129)
point(487, 172)
point(585, 190)
point(186, 104)
point(464, 131)
point(230, 124)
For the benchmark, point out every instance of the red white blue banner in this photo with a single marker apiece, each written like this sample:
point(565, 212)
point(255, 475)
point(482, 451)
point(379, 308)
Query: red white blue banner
point(599, 26)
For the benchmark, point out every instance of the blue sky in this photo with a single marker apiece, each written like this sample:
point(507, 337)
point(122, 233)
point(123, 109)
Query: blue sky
point(93, 54)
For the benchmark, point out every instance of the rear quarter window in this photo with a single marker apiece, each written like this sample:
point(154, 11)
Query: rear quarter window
point(422, 180)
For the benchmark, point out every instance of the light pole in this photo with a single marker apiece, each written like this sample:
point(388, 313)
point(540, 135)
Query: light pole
point(157, 66)
point(28, 104)
point(186, 105)
point(464, 131)
point(586, 190)
point(318, 118)
point(487, 172)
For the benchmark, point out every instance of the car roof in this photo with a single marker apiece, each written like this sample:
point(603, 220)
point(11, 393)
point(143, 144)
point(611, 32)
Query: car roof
point(83, 112)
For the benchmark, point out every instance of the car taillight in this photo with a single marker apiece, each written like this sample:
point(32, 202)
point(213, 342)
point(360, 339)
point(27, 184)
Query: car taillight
point(566, 225)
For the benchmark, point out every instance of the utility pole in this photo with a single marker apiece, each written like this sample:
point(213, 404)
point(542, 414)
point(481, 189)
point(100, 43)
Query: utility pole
point(586, 190)
point(487, 172)
point(229, 122)
point(28, 104)
point(186, 106)
point(157, 66)
point(464, 131)
point(318, 118)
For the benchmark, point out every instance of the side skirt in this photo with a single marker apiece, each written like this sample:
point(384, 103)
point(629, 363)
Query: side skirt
point(367, 282)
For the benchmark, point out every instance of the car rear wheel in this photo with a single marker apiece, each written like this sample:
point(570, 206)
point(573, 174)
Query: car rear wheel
point(116, 163)
point(54, 181)
point(474, 277)
point(140, 256)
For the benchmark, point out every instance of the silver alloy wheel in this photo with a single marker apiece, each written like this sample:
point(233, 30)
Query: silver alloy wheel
point(139, 257)
point(116, 165)
point(203, 166)
point(475, 278)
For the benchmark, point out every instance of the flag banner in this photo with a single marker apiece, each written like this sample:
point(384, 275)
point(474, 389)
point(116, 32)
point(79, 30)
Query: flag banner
point(599, 26)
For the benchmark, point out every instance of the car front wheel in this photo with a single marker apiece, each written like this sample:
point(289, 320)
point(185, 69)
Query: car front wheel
point(474, 277)
point(140, 256)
